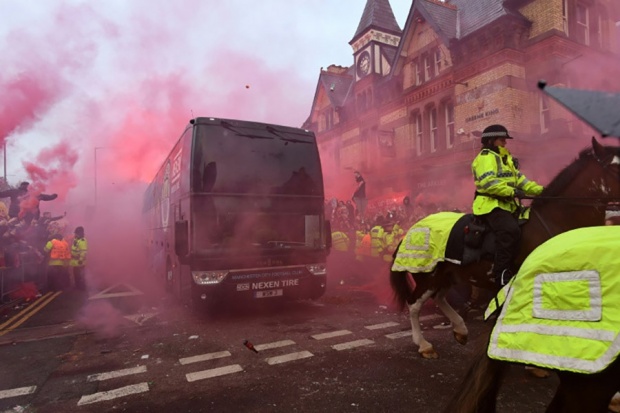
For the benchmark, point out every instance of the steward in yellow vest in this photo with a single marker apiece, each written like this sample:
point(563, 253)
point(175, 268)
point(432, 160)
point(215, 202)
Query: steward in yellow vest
point(377, 238)
point(561, 309)
point(79, 248)
point(393, 235)
point(340, 241)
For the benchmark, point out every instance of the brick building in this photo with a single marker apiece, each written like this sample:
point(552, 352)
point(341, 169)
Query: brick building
point(405, 112)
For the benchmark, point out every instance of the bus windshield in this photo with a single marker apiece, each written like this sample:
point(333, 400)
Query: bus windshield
point(254, 158)
point(222, 222)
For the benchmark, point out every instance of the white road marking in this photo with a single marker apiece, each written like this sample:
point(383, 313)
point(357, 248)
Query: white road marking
point(113, 394)
point(117, 373)
point(330, 335)
point(384, 325)
point(204, 357)
point(275, 344)
point(220, 371)
point(352, 344)
point(288, 357)
point(140, 318)
point(20, 391)
point(400, 334)
point(130, 291)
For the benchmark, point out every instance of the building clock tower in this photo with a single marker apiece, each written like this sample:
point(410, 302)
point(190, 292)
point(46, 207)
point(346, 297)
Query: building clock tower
point(376, 40)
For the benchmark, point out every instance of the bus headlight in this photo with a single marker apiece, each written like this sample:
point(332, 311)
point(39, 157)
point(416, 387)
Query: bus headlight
point(317, 269)
point(208, 277)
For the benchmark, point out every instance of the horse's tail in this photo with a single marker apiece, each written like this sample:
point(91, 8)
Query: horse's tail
point(399, 283)
point(478, 390)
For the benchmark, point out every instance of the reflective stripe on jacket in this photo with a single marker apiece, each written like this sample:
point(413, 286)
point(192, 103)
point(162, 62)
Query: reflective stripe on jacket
point(563, 308)
point(496, 179)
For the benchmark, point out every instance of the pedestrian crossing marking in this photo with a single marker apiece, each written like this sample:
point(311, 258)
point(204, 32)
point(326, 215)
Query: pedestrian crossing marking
point(288, 357)
point(338, 333)
point(113, 394)
point(352, 344)
point(110, 292)
point(205, 357)
point(383, 325)
point(207, 374)
point(275, 344)
point(5, 394)
point(117, 373)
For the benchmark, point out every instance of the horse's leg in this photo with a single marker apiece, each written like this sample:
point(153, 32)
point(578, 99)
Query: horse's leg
point(458, 324)
point(585, 392)
point(425, 348)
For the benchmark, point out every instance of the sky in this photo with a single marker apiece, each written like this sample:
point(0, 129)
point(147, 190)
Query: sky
point(126, 76)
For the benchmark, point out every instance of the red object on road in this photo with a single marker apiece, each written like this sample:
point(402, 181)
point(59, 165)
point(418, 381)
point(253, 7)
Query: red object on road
point(249, 346)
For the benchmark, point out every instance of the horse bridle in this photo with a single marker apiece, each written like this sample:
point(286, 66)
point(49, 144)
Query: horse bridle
point(596, 202)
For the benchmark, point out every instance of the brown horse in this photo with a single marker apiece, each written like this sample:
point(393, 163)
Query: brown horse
point(588, 378)
point(577, 393)
point(577, 197)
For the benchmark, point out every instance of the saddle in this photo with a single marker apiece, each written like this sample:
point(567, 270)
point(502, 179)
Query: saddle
point(471, 240)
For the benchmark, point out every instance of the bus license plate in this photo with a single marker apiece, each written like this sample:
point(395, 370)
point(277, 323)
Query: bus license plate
point(268, 293)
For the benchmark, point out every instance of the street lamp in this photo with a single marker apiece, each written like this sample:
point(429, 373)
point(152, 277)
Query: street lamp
point(96, 148)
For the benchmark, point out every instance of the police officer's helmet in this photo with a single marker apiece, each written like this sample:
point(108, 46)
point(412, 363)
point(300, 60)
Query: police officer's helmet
point(79, 231)
point(492, 132)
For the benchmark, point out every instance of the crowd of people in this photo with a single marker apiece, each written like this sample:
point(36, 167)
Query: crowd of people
point(34, 246)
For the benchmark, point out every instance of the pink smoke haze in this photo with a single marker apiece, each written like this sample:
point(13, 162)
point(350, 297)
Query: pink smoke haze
point(119, 81)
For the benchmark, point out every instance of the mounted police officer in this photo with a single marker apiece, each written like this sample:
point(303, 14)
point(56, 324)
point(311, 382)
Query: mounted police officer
point(498, 181)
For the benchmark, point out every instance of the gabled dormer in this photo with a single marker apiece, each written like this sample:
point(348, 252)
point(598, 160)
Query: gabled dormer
point(376, 40)
point(424, 52)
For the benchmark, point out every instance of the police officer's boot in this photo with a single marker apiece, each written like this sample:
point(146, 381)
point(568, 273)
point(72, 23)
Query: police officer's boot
point(502, 278)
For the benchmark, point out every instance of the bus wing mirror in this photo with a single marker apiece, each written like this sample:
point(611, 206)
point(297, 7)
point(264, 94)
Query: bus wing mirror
point(328, 234)
point(181, 238)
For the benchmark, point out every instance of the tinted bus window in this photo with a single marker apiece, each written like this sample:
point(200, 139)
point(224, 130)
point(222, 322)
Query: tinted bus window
point(255, 159)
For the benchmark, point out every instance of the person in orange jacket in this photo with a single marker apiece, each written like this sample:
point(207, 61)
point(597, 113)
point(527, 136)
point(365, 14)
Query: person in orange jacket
point(58, 263)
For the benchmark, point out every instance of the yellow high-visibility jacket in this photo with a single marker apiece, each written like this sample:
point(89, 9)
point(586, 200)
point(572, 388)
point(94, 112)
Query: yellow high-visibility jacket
point(562, 309)
point(79, 248)
point(340, 241)
point(496, 179)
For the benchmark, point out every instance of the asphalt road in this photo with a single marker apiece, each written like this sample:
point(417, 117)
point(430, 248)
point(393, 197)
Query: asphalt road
point(349, 351)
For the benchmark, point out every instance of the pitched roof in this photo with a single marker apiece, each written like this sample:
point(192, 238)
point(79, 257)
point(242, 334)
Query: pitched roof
point(441, 16)
point(474, 15)
point(337, 86)
point(377, 14)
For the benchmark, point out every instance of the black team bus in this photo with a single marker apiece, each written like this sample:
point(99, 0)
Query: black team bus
point(236, 213)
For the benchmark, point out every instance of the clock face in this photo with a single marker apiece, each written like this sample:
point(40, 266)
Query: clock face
point(363, 64)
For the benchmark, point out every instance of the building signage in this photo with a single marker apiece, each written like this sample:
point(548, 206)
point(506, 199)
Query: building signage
point(431, 184)
point(482, 115)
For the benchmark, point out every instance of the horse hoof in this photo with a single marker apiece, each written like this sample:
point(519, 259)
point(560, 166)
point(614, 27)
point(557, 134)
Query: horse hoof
point(429, 354)
point(460, 338)
point(538, 373)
